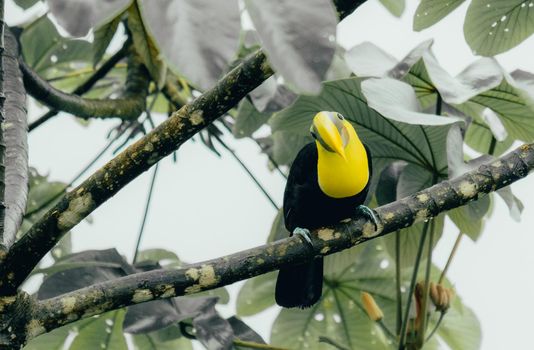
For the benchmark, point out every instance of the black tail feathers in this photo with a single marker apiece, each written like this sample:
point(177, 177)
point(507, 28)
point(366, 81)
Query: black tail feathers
point(300, 285)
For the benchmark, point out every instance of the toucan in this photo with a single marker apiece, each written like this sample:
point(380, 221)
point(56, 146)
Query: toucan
point(328, 181)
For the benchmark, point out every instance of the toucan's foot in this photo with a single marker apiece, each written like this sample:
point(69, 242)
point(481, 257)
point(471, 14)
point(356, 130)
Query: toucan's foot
point(368, 213)
point(305, 233)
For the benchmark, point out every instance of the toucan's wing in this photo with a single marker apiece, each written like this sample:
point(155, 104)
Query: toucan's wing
point(302, 174)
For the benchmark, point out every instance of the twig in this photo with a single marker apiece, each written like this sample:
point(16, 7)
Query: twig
point(451, 256)
point(398, 278)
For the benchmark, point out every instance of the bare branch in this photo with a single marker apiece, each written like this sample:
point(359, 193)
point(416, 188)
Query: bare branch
point(129, 107)
point(160, 284)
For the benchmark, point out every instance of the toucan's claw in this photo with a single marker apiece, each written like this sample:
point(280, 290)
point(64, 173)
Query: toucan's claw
point(305, 233)
point(368, 213)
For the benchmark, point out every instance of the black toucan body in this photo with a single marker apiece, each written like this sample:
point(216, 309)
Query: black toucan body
point(322, 189)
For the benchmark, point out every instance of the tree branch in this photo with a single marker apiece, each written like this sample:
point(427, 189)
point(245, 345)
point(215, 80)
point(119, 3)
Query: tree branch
point(129, 107)
point(160, 284)
point(89, 83)
point(26, 253)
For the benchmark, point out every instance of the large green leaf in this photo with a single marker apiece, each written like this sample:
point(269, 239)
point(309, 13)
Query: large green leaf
point(460, 329)
point(388, 139)
point(429, 12)
point(104, 332)
point(495, 26)
point(256, 295)
point(43, 47)
point(198, 38)
point(339, 314)
point(299, 38)
point(150, 341)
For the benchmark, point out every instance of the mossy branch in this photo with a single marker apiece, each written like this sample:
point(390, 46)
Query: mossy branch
point(132, 162)
point(160, 284)
point(131, 104)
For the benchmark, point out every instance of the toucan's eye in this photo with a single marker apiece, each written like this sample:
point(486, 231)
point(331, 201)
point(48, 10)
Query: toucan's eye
point(340, 117)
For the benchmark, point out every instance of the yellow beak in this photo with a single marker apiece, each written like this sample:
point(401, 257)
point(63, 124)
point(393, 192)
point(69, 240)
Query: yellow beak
point(330, 135)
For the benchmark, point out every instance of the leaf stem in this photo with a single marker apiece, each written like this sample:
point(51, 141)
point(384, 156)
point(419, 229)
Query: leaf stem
point(412, 286)
point(145, 213)
point(451, 256)
point(253, 345)
point(424, 319)
point(441, 315)
point(398, 282)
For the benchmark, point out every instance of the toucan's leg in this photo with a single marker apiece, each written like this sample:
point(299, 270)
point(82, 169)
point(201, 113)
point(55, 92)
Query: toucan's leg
point(305, 233)
point(368, 213)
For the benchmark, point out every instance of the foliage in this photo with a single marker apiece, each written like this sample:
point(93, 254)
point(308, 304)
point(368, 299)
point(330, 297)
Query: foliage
point(414, 116)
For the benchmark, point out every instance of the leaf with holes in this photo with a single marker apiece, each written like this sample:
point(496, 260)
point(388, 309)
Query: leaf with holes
point(248, 119)
point(339, 314)
point(256, 295)
point(495, 26)
point(43, 47)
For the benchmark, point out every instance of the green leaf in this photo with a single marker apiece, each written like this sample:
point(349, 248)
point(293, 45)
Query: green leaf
point(78, 16)
point(298, 37)
point(104, 332)
point(54, 340)
point(287, 144)
point(43, 47)
point(339, 314)
point(157, 255)
point(395, 7)
point(248, 119)
point(26, 4)
point(510, 105)
point(102, 38)
point(150, 341)
point(197, 38)
point(429, 12)
point(256, 295)
point(145, 45)
point(388, 140)
point(479, 138)
point(495, 26)
point(460, 329)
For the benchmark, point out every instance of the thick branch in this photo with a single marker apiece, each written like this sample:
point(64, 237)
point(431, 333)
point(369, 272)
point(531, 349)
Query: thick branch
point(89, 83)
point(130, 106)
point(160, 284)
point(136, 159)
point(133, 161)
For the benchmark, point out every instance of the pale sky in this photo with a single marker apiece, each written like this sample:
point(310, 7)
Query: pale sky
point(203, 199)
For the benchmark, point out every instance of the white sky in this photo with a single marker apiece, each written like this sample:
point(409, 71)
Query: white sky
point(204, 207)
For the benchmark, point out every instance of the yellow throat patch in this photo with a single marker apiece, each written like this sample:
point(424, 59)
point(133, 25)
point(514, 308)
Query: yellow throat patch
point(339, 177)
